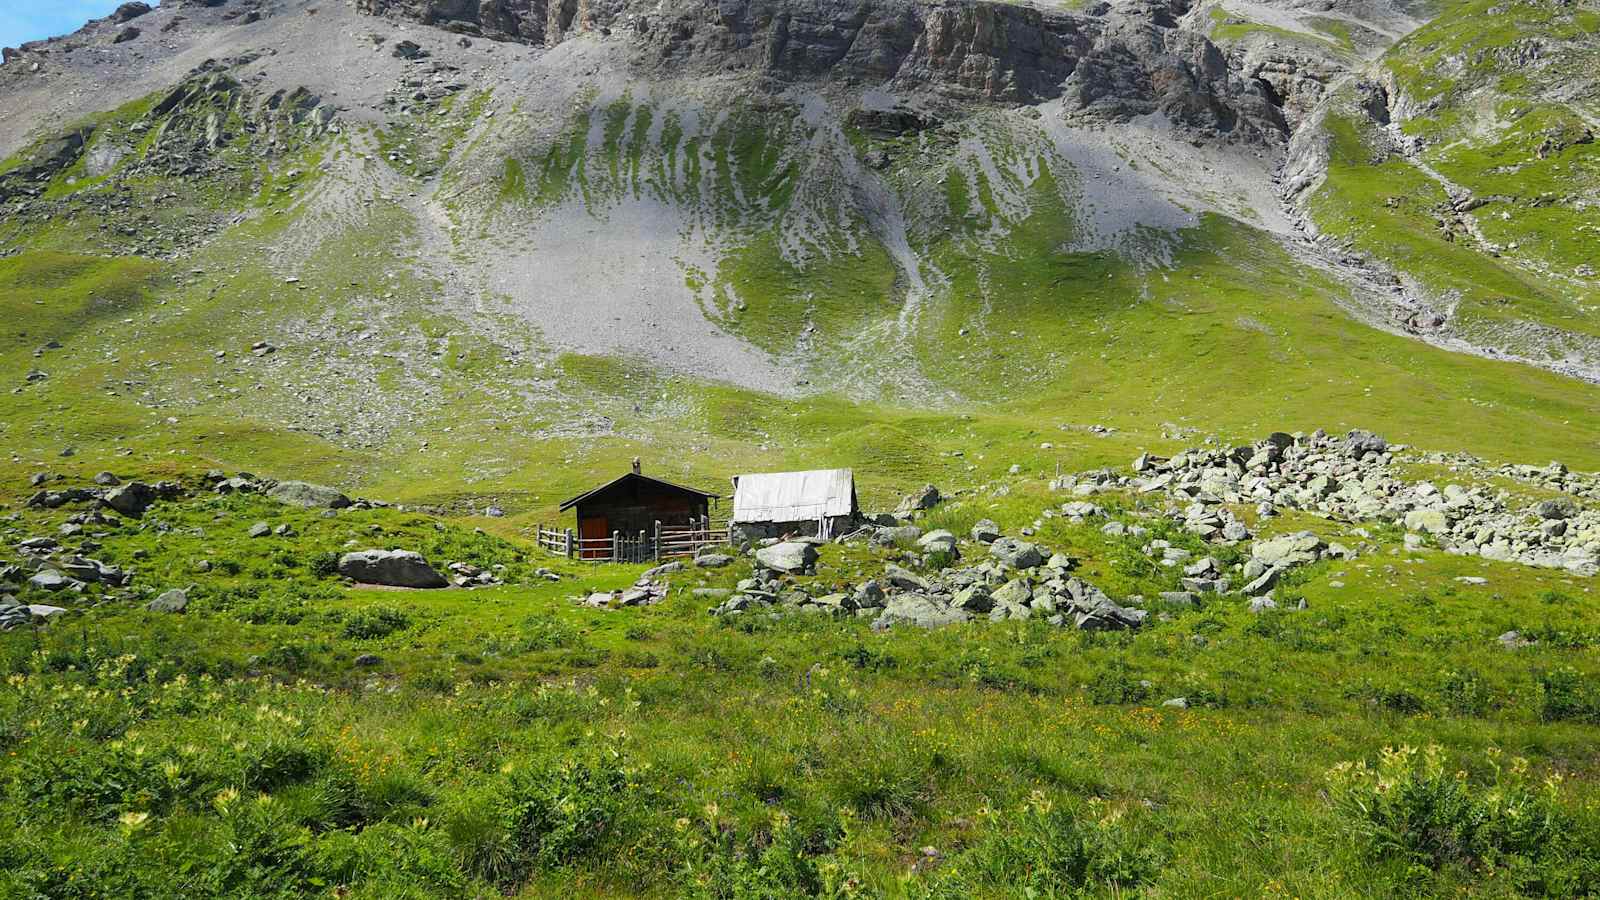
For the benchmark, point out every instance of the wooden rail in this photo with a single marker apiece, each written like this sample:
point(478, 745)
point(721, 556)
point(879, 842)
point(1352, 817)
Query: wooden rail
point(663, 542)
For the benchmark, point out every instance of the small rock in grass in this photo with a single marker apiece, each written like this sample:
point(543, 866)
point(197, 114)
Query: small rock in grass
point(173, 601)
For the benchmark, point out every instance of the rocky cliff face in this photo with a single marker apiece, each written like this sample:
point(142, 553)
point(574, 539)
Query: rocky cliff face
point(530, 21)
point(1113, 61)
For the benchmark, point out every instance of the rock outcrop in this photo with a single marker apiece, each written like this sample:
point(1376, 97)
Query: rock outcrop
point(1113, 61)
point(310, 496)
point(390, 568)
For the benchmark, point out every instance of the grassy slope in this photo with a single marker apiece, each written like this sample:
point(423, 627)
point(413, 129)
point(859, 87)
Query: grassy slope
point(394, 780)
point(1488, 128)
point(1235, 339)
point(391, 778)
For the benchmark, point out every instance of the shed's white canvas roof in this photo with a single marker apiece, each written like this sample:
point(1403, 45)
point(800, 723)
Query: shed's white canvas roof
point(793, 496)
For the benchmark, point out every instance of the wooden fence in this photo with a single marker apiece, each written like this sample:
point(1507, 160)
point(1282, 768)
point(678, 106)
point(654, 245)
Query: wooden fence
point(663, 542)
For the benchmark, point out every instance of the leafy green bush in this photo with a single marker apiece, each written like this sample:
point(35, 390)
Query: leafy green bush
point(1463, 692)
point(375, 622)
point(863, 657)
point(545, 818)
point(543, 632)
point(1565, 695)
point(1412, 808)
point(278, 762)
point(324, 565)
point(290, 657)
point(1115, 685)
point(1392, 698)
point(1051, 850)
point(884, 781)
point(781, 862)
point(276, 611)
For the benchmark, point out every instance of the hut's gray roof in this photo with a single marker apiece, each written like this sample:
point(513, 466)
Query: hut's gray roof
point(793, 496)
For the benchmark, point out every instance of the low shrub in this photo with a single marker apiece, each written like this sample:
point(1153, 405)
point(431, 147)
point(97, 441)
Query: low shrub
point(324, 565)
point(537, 633)
point(1048, 849)
point(544, 818)
point(782, 861)
point(1463, 692)
point(1411, 807)
point(1386, 697)
point(375, 622)
point(1115, 685)
point(1565, 695)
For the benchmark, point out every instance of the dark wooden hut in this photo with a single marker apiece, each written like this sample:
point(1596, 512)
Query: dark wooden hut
point(631, 505)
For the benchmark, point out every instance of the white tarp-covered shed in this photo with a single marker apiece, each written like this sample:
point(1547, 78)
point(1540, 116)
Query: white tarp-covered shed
point(818, 502)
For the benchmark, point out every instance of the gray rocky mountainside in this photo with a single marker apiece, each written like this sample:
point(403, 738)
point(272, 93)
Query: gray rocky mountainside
point(390, 204)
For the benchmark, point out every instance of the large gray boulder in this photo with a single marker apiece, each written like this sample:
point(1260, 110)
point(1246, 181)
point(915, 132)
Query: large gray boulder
point(905, 580)
point(1014, 592)
point(927, 498)
point(1556, 509)
point(131, 499)
point(50, 580)
point(391, 568)
point(1107, 616)
point(1015, 553)
point(974, 599)
point(1359, 443)
point(789, 557)
point(891, 535)
point(308, 495)
point(127, 12)
point(940, 541)
point(985, 531)
point(173, 601)
point(1432, 521)
point(918, 610)
point(1296, 549)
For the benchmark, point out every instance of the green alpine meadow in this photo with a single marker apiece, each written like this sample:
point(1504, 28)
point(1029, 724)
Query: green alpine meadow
point(780, 449)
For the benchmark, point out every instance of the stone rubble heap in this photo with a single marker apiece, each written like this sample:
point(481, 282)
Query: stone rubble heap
point(1019, 580)
point(649, 589)
point(1353, 479)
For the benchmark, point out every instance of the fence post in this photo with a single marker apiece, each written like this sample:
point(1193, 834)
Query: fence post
point(658, 540)
point(569, 543)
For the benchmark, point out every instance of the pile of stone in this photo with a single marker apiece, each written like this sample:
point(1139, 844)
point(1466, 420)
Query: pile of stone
point(134, 498)
point(15, 615)
point(1555, 477)
point(1352, 479)
point(647, 591)
point(130, 499)
point(1018, 580)
point(1270, 559)
point(467, 575)
point(48, 569)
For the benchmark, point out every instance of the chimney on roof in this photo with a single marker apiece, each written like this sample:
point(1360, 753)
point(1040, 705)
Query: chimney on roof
point(636, 465)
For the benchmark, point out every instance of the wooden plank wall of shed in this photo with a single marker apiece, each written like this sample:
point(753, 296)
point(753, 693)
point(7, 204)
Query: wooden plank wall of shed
point(634, 507)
